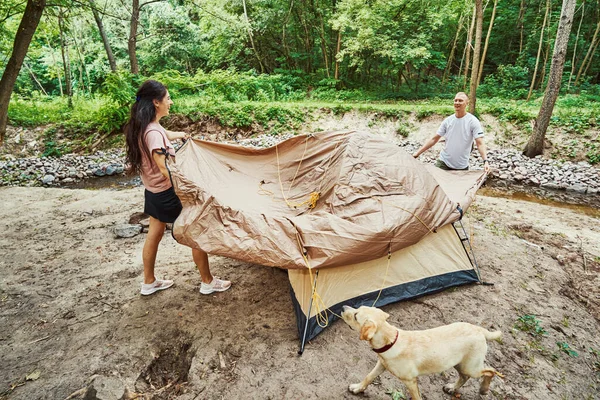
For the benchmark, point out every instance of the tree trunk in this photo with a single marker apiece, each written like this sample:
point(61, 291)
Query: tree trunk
point(468, 45)
point(324, 45)
point(591, 58)
point(107, 48)
point(520, 25)
point(64, 49)
point(539, 52)
point(82, 68)
point(590, 52)
point(262, 68)
point(487, 40)
point(453, 50)
point(27, 27)
point(56, 67)
point(336, 74)
point(535, 145)
point(290, 61)
point(35, 79)
point(132, 42)
point(575, 47)
point(546, 54)
point(476, 53)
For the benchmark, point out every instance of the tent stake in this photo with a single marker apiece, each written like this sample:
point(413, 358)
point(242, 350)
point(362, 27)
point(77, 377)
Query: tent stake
point(308, 316)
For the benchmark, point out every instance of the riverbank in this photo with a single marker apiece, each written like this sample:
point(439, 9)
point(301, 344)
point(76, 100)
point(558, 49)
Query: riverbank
point(508, 166)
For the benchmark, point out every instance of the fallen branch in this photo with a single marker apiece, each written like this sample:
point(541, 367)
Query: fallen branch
point(39, 340)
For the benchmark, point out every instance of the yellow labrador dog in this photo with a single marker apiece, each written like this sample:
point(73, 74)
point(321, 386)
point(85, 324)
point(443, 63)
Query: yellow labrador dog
point(409, 354)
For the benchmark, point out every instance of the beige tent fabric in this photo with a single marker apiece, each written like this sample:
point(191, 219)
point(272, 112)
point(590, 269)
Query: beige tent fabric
point(436, 254)
point(251, 204)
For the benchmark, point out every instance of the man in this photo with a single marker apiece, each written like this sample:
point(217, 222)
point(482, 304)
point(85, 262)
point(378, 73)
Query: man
point(459, 130)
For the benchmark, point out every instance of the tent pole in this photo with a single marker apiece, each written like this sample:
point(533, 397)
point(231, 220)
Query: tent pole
point(308, 316)
point(466, 239)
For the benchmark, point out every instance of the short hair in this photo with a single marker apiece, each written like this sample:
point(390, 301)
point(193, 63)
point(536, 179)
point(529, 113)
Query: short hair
point(462, 94)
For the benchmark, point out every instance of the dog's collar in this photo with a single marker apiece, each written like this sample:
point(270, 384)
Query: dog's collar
point(387, 347)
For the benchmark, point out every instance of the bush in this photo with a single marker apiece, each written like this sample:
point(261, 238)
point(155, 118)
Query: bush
point(509, 81)
point(119, 88)
point(506, 111)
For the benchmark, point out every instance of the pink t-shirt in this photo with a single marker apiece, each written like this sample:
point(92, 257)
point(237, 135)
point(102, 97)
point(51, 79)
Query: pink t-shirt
point(155, 138)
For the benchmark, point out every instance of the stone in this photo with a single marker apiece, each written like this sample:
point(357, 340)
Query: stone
point(100, 172)
point(48, 179)
point(106, 388)
point(127, 230)
point(577, 189)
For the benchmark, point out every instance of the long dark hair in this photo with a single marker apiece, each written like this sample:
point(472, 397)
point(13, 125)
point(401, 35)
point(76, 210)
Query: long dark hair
point(142, 113)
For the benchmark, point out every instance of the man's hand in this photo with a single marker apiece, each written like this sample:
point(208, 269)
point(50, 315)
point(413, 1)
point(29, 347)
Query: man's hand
point(415, 155)
point(486, 166)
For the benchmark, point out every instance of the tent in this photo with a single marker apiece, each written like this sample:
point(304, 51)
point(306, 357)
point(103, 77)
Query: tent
point(351, 216)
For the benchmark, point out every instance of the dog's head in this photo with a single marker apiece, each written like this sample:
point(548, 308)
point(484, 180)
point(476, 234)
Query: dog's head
point(365, 319)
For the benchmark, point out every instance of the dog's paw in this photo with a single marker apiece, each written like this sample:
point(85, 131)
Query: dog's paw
point(356, 388)
point(449, 388)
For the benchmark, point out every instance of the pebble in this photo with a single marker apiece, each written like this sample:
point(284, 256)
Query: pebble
point(507, 165)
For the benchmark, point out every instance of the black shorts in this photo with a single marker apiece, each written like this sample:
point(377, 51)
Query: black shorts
point(164, 206)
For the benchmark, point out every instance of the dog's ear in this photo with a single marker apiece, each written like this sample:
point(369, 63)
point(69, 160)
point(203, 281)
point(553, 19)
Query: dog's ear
point(367, 330)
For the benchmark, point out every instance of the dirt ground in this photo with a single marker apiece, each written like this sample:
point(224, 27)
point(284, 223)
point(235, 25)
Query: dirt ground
point(73, 322)
point(73, 325)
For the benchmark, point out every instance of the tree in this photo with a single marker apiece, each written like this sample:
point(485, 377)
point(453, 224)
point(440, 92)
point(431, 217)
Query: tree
point(64, 49)
point(590, 53)
point(476, 54)
point(107, 48)
point(27, 27)
point(487, 41)
point(133, 28)
point(535, 145)
point(539, 52)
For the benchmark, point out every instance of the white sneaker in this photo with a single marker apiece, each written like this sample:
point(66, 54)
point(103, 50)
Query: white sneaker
point(217, 285)
point(158, 284)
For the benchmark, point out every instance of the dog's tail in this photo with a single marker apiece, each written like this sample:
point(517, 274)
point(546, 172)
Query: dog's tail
point(496, 335)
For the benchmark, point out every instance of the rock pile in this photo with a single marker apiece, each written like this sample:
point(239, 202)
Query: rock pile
point(507, 164)
point(69, 168)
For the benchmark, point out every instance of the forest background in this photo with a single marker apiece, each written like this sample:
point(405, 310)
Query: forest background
point(270, 62)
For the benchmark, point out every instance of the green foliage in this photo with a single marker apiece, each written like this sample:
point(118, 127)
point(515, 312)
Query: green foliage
point(509, 81)
point(507, 111)
point(403, 130)
point(120, 89)
point(593, 153)
point(51, 146)
point(423, 113)
point(565, 348)
point(396, 394)
point(530, 324)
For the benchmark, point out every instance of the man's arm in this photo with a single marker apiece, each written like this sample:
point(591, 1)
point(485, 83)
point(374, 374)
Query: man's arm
point(483, 153)
point(428, 144)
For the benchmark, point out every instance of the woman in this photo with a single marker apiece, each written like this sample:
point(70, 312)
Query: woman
point(147, 145)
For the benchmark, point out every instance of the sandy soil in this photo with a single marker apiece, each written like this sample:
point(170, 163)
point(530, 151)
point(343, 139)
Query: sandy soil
point(72, 320)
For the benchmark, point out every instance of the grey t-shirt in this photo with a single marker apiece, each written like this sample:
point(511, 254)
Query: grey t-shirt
point(459, 134)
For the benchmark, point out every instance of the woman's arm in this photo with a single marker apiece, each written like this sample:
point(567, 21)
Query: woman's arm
point(159, 159)
point(172, 135)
